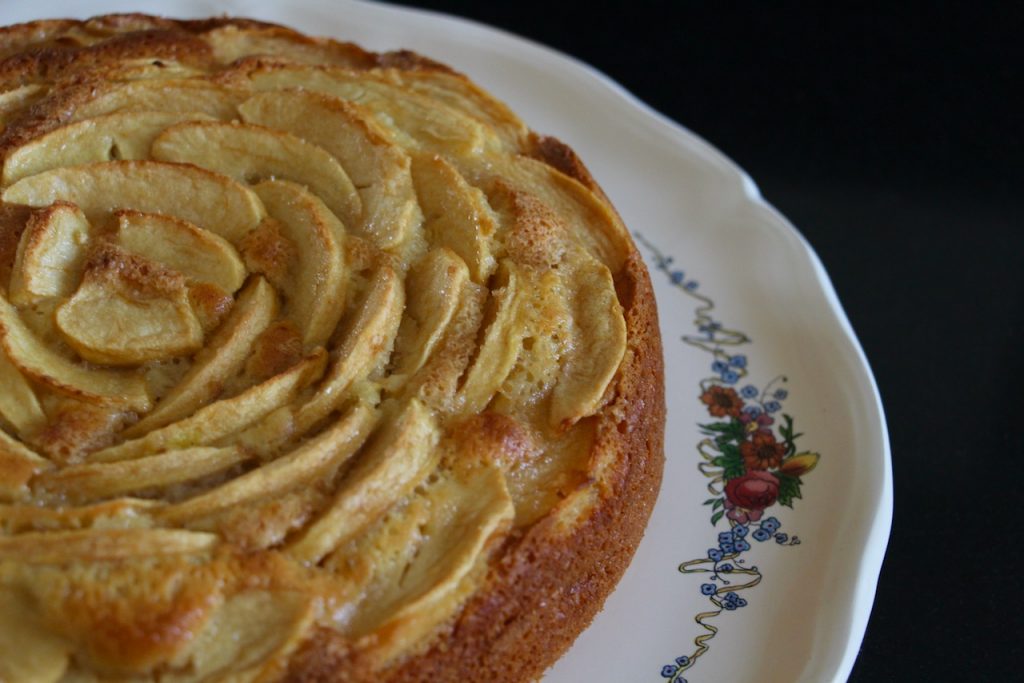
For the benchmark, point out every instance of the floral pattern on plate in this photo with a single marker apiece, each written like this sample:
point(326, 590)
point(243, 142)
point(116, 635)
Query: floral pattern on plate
point(749, 455)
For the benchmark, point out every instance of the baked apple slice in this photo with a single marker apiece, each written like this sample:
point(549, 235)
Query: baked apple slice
point(435, 287)
point(18, 464)
point(54, 547)
point(121, 135)
point(468, 509)
point(182, 95)
point(315, 286)
point(51, 254)
point(243, 636)
point(199, 255)
point(209, 200)
point(225, 417)
point(309, 462)
point(18, 402)
point(500, 347)
point(456, 214)
point(251, 153)
point(97, 481)
point(378, 169)
point(399, 458)
point(129, 310)
point(366, 342)
point(411, 120)
point(44, 365)
point(596, 349)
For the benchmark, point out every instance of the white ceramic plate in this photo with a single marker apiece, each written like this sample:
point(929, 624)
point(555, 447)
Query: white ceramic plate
point(744, 302)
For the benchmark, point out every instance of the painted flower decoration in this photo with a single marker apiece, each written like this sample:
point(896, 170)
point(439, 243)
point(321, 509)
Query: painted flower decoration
point(762, 452)
point(799, 465)
point(746, 497)
point(722, 401)
point(755, 420)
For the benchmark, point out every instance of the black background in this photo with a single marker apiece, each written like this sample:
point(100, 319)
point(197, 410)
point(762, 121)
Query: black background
point(891, 140)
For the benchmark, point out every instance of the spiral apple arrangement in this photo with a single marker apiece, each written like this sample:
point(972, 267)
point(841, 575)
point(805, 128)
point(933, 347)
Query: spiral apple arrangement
point(293, 337)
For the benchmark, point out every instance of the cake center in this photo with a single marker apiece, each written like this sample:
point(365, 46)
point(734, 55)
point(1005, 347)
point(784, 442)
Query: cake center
point(129, 310)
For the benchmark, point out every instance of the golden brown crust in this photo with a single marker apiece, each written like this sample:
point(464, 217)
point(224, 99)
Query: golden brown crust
point(493, 435)
point(13, 220)
point(557, 154)
point(144, 278)
point(407, 60)
point(74, 429)
point(14, 39)
point(211, 304)
point(48, 49)
point(546, 580)
point(52, 63)
point(267, 251)
point(45, 115)
point(561, 156)
point(276, 350)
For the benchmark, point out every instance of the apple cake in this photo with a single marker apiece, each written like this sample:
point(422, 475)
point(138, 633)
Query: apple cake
point(316, 364)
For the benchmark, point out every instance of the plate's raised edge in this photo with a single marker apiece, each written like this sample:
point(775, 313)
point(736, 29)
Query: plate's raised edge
point(877, 538)
point(874, 542)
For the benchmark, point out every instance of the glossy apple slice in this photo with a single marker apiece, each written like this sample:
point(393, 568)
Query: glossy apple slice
point(210, 200)
point(398, 459)
point(597, 347)
point(456, 215)
point(121, 135)
point(457, 92)
point(365, 343)
point(101, 544)
point(411, 120)
point(379, 170)
point(315, 287)
point(178, 95)
point(244, 637)
point(498, 352)
point(119, 513)
point(18, 402)
point(468, 511)
point(51, 254)
point(250, 153)
point(46, 366)
point(96, 481)
point(436, 383)
point(144, 309)
point(323, 453)
point(18, 464)
point(199, 255)
point(434, 289)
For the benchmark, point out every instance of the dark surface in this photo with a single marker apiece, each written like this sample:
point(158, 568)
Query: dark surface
point(890, 140)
